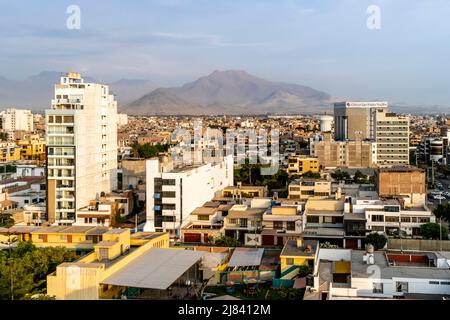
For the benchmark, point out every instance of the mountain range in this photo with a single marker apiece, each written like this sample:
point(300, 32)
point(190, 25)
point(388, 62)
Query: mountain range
point(230, 92)
point(221, 92)
point(35, 92)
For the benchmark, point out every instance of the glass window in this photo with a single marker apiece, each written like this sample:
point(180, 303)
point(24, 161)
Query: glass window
point(290, 225)
point(377, 287)
point(278, 225)
point(401, 287)
point(289, 261)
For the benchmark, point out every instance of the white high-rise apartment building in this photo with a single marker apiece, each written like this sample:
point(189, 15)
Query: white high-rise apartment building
point(81, 134)
point(392, 138)
point(172, 194)
point(16, 119)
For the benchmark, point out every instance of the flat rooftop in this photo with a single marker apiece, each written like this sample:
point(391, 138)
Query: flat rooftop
point(308, 248)
point(359, 268)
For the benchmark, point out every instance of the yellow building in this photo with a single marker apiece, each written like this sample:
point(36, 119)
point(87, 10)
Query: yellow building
point(80, 238)
point(33, 147)
point(82, 280)
point(298, 165)
point(9, 152)
point(297, 253)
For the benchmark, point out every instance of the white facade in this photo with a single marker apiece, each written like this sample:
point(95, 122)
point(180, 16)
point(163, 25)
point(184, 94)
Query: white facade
point(122, 119)
point(173, 195)
point(16, 119)
point(81, 133)
point(326, 123)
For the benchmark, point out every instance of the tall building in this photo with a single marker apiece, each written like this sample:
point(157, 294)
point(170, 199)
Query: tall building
point(392, 138)
point(173, 193)
point(351, 118)
point(16, 119)
point(356, 154)
point(81, 134)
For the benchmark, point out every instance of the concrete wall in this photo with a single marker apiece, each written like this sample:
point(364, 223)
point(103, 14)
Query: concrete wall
point(416, 244)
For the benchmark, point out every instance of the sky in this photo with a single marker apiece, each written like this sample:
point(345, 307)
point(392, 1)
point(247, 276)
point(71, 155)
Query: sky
point(323, 44)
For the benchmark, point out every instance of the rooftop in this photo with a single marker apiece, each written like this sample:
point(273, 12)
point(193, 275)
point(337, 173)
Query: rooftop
point(88, 230)
point(308, 248)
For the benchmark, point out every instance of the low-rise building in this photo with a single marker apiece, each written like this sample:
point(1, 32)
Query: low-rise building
point(297, 253)
point(341, 274)
point(298, 165)
point(79, 238)
point(302, 189)
point(205, 223)
point(281, 223)
point(392, 217)
point(243, 220)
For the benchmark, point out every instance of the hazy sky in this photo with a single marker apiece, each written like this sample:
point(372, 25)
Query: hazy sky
point(323, 44)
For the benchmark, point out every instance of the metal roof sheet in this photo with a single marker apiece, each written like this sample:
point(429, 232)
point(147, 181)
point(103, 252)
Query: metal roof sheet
point(243, 257)
point(156, 269)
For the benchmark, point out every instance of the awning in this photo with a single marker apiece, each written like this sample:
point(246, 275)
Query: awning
point(157, 269)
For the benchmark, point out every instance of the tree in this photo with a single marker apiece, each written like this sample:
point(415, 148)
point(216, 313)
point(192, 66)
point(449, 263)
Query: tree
point(442, 211)
point(431, 231)
point(305, 270)
point(340, 175)
point(6, 220)
point(227, 242)
point(311, 175)
point(24, 270)
point(148, 150)
point(328, 245)
point(359, 177)
point(377, 240)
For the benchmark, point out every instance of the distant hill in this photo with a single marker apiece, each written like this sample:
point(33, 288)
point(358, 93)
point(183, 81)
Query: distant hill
point(230, 92)
point(36, 92)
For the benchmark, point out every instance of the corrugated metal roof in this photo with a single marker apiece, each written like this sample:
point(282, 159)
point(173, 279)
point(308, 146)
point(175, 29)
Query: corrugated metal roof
point(243, 257)
point(156, 269)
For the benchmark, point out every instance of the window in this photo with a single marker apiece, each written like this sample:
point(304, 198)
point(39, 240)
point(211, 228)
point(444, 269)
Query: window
point(290, 225)
point(377, 287)
point(433, 282)
point(278, 225)
point(243, 223)
point(312, 219)
point(391, 219)
point(377, 218)
point(168, 194)
point(168, 182)
point(401, 287)
point(445, 283)
point(168, 206)
point(63, 237)
point(168, 218)
point(203, 217)
point(423, 220)
point(233, 221)
point(289, 261)
point(406, 219)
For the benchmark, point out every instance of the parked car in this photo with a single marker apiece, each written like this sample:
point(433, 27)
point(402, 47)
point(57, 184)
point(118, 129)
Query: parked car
point(439, 197)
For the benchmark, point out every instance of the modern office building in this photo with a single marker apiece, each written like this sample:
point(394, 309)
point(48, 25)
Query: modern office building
point(16, 119)
point(174, 192)
point(81, 134)
point(351, 118)
point(392, 138)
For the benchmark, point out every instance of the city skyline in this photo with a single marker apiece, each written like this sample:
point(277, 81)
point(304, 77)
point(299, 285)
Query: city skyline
point(323, 45)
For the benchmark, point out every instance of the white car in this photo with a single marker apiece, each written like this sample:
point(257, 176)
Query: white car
point(439, 197)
